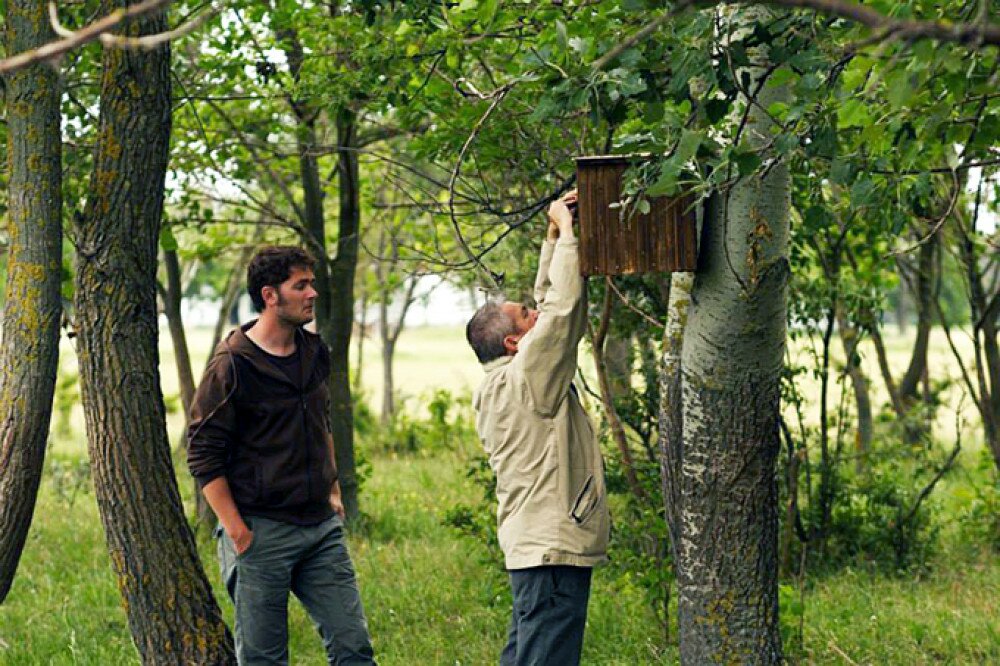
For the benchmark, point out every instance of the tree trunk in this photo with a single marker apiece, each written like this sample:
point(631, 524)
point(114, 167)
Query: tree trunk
point(30, 354)
point(671, 419)
point(618, 358)
point(986, 350)
point(597, 339)
point(850, 339)
point(923, 293)
point(172, 310)
point(732, 360)
point(388, 390)
point(902, 311)
point(171, 610)
point(362, 325)
point(341, 324)
point(231, 295)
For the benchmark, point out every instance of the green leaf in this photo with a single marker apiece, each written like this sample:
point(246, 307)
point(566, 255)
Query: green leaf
point(853, 113)
point(561, 34)
point(778, 110)
point(666, 184)
point(863, 193)
point(716, 110)
point(688, 145)
point(167, 240)
point(782, 76)
point(899, 89)
point(487, 11)
point(841, 171)
point(747, 162)
point(468, 5)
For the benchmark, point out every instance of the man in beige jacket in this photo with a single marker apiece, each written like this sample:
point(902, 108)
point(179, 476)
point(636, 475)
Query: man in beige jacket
point(552, 515)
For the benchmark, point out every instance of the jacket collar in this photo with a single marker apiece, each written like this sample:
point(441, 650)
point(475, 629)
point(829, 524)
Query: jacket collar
point(239, 344)
point(496, 363)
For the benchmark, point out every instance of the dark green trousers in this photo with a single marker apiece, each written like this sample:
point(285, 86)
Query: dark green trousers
point(310, 562)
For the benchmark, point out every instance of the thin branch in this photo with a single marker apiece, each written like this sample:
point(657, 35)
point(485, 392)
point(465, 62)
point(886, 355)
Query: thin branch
point(956, 190)
point(971, 34)
point(637, 37)
point(147, 42)
point(632, 307)
point(498, 97)
point(72, 39)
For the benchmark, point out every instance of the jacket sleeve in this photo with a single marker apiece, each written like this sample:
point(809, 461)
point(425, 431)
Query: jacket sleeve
point(212, 427)
point(542, 282)
point(547, 355)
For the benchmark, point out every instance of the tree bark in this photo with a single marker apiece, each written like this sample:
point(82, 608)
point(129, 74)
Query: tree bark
point(30, 355)
point(732, 360)
point(597, 339)
point(172, 310)
point(923, 293)
point(171, 611)
point(341, 325)
point(850, 338)
point(671, 414)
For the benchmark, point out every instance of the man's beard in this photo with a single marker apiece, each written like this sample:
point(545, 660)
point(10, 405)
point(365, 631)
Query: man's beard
point(290, 320)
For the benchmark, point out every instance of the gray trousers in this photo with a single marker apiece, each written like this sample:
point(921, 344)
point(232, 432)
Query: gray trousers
point(311, 562)
point(550, 613)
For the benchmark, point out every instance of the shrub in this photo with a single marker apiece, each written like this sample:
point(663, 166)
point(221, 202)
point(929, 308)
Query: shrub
point(447, 425)
point(981, 519)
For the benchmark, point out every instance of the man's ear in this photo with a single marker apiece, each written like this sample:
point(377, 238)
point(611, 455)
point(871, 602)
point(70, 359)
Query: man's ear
point(269, 294)
point(510, 344)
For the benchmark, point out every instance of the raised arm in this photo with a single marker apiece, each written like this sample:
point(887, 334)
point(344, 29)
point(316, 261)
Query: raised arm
point(547, 355)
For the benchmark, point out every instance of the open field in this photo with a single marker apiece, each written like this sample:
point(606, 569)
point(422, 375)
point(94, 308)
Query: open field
point(433, 597)
point(431, 358)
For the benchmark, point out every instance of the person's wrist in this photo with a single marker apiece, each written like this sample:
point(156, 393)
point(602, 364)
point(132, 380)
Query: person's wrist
point(237, 531)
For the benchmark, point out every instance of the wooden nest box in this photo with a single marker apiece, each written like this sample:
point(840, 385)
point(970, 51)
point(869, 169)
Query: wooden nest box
point(613, 242)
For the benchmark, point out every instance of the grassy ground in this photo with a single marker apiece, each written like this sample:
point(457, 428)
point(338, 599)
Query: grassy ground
point(434, 598)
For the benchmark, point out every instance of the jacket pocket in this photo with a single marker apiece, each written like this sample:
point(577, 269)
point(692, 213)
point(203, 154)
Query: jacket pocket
point(585, 502)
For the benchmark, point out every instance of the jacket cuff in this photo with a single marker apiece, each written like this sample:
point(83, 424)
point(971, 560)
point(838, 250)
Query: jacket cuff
point(206, 478)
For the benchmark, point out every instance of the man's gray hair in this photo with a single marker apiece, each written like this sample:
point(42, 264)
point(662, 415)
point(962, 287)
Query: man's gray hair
point(486, 331)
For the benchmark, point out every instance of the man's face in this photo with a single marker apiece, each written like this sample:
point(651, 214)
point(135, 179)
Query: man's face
point(296, 297)
point(524, 320)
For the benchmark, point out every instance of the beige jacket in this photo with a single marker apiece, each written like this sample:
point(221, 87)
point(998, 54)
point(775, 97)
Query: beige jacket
point(550, 476)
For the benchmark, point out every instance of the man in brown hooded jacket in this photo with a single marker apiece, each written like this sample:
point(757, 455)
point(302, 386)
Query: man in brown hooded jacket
point(260, 447)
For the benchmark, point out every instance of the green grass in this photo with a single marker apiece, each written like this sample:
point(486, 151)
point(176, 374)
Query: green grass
point(432, 596)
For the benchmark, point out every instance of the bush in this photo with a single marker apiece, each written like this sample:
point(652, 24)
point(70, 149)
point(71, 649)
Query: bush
point(876, 522)
point(478, 522)
point(981, 519)
point(640, 545)
point(447, 425)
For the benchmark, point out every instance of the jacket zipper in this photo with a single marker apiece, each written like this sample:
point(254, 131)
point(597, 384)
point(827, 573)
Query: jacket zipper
point(305, 440)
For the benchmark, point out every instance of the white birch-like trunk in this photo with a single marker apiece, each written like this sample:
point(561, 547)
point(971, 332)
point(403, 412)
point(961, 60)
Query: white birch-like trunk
point(732, 359)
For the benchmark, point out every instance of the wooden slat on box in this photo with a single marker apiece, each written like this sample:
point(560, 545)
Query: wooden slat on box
point(614, 243)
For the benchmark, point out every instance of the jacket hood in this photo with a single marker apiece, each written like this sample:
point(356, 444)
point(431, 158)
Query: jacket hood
point(238, 344)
